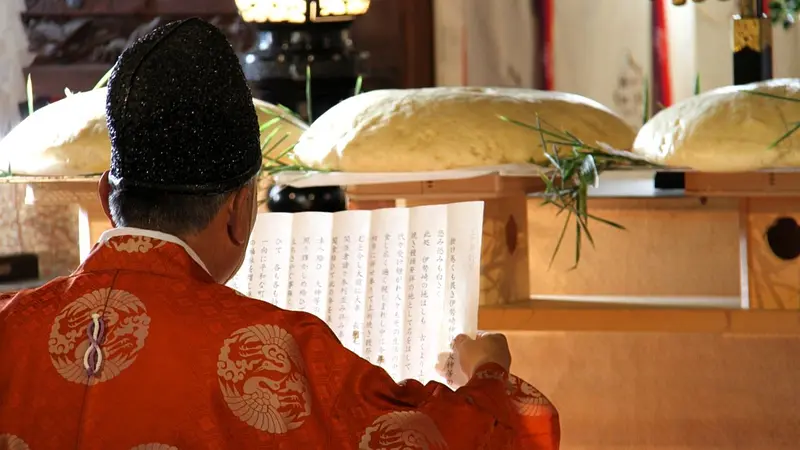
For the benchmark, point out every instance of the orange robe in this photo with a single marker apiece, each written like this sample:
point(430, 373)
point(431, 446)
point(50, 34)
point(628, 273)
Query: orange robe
point(141, 349)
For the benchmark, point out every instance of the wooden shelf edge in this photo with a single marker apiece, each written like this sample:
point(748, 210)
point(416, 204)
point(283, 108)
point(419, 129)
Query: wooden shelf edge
point(752, 322)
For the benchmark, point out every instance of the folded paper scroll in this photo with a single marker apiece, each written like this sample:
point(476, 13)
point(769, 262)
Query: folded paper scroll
point(395, 285)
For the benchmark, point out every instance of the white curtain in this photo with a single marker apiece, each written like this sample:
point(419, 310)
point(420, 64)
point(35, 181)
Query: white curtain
point(14, 57)
point(601, 50)
point(485, 43)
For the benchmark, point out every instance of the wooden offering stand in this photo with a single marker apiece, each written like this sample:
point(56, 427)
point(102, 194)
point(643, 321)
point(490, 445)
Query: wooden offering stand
point(769, 213)
point(504, 256)
point(81, 191)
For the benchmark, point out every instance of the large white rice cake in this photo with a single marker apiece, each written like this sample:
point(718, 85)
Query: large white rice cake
point(70, 137)
point(449, 128)
point(729, 129)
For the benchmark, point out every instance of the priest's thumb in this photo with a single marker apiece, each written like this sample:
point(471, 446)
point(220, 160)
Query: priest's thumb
point(487, 348)
point(459, 340)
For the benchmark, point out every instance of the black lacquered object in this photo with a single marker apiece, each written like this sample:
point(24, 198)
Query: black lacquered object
point(276, 71)
point(752, 44)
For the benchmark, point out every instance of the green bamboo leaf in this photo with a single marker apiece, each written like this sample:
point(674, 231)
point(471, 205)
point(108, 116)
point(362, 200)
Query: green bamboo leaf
point(532, 127)
point(286, 153)
point(577, 244)
point(309, 107)
point(697, 84)
point(606, 222)
point(270, 123)
point(560, 240)
point(104, 79)
point(573, 172)
point(646, 103)
point(290, 112)
point(29, 93)
point(359, 84)
point(275, 145)
point(786, 135)
point(774, 96)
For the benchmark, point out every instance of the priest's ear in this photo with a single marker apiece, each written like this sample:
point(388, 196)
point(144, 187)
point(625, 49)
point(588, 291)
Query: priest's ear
point(104, 191)
point(243, 207)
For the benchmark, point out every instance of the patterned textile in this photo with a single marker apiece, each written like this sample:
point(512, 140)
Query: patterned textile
point(141, 349)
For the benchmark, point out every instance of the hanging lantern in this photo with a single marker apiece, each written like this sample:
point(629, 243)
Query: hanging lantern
point(300, 11)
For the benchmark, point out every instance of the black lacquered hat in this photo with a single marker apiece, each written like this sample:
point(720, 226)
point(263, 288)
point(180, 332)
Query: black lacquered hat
point(180, 114)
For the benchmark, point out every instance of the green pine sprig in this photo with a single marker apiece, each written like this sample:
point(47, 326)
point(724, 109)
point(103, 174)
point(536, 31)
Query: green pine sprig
point(285, 161)
point(570, 175)
point(785, 12)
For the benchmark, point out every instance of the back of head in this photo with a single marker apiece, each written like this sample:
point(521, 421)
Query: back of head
point(184, 132)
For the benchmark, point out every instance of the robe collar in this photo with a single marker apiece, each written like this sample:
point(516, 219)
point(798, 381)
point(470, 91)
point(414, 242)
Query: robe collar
point(142, 250)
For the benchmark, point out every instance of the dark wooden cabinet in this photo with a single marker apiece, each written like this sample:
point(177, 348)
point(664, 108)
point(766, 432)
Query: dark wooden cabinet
point(76, 8)
point(76, 41)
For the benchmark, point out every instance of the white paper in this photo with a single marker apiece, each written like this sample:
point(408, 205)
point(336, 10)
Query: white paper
point(309, 263)
point(426, 298)
point(462, 293)
point(386, 292)
point(268, 274)
point(395, 285)
point(349, 275)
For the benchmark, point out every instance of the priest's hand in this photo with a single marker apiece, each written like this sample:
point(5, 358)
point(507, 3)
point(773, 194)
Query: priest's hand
point(486, 348)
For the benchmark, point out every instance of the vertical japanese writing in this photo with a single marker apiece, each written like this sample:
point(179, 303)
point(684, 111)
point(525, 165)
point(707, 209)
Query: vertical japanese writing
point(384, 298)
point(263, 282)
point(290, 288)
point(251, 255)
point(344, 287)
point(319, 266)
point(304, 266)
point(332, 283)
point(451, 302)
point(399, 301)
point(369, 323)
point(425, 276)
point(359, 286)
point(411, 308)
point(276, 272)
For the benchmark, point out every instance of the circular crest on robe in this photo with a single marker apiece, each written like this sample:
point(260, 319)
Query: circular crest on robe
point(528, 401)
point(11, 442)
point(401, 430)
point(126, 325)
point(180, 114)
point(262, 376)
point(154, 446)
